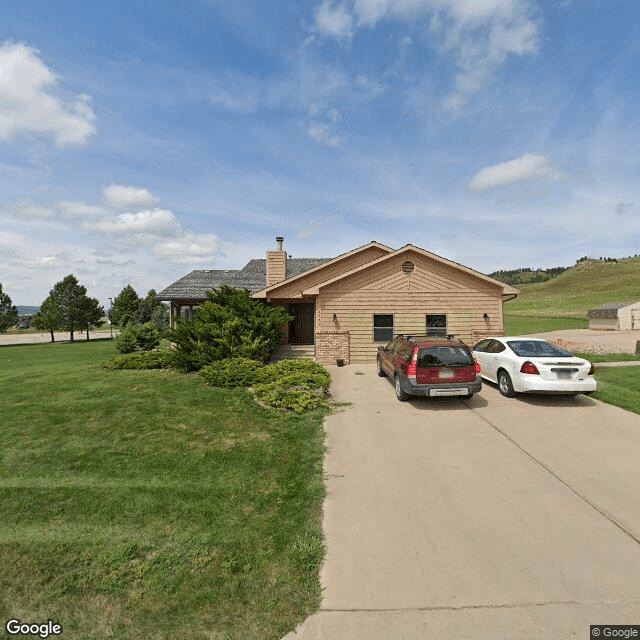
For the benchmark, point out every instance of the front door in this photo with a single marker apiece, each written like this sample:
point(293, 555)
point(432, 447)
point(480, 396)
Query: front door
point(301, 327)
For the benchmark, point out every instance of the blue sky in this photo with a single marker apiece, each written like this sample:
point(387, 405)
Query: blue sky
point(141, 140)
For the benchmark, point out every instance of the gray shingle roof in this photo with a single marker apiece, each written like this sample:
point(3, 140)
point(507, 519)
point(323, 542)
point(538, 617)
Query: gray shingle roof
point(609, 310)
point(252, 276)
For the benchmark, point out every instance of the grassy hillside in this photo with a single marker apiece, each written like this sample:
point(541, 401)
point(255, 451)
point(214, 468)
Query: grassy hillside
point(571, 294)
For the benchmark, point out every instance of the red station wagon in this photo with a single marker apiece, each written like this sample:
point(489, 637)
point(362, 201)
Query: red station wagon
point(428, 366)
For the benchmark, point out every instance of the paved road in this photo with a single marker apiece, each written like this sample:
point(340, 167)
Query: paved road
point(477, 519)
point(60, 336)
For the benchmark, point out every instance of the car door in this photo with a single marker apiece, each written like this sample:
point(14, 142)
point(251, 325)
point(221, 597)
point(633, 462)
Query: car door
point(479, 353)
point(387, 357)
point(494, 358)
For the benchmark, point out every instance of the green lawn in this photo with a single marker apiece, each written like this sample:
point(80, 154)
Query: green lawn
point(515, 325)
point(619, 386)
point(607, 357)
point(143, 504)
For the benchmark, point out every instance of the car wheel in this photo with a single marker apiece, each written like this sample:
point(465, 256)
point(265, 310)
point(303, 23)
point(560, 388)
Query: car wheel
point(379, 366)
point(505, 385)
point(400, 394)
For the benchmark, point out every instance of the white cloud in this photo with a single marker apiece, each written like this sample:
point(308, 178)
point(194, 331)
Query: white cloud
point(79, 209)
point(29, 106)
point(153, 221)
point(479, 34)
point(322, 133)
point(190, 248)
point(332, 21)
point(28, 210)
point(123, 197)
point(525, 169)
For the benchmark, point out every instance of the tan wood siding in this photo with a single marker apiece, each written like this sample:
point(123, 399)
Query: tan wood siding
point(431, 289)
point(323, 274)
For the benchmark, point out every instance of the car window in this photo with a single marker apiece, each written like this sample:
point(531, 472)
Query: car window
point(536, 349)
point(452, 356)
point(482, 345)
point(495, 347)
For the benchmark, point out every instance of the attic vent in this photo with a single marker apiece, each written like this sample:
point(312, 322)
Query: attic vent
point(408, 267)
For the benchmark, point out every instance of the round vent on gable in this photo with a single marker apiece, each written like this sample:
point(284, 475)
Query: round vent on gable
point(408, 267)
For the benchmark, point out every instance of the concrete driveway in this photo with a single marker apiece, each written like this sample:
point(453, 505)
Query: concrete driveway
point(480, 519)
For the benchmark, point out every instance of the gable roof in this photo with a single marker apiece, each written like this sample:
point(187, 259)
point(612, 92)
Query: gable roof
point(263, 293)
point(252, 276)
point(506, 289)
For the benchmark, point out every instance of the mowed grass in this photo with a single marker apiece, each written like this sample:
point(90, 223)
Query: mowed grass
point(523, 325)
point(619, 386)
point(143, 504)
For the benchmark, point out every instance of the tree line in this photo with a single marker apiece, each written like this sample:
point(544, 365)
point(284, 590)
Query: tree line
point(69, 308)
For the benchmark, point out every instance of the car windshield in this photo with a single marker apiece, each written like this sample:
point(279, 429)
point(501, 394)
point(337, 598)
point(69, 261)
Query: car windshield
point(536, 349)
point(444, 356)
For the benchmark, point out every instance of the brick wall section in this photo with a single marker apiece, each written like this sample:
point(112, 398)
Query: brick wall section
point(332, 346)
point(478, 334)
point(276, 267)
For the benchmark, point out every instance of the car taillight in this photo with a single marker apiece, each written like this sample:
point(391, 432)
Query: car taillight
point(529, 367)
point(413, 365)
point(592, 370)
point(476, 367)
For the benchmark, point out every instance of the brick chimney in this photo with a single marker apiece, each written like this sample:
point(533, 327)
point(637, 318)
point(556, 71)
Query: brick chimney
point(276, 264)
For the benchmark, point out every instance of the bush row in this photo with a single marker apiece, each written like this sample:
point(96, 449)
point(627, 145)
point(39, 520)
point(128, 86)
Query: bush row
point(297, 385)
point(162, 359)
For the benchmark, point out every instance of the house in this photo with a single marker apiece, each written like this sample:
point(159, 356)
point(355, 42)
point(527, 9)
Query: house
point(615, 316)
point(349, 305)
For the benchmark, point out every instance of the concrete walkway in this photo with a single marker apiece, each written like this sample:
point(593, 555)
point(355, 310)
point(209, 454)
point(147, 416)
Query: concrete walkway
point(481, 519)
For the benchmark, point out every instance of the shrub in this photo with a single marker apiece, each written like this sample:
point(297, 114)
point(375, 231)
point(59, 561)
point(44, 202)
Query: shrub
point(148, 336)
point(298, 385)
point(231, 372)
point(141, 360)
point(296, 372)
point(138, 337)
point(127, 341)
point(228, 325)
point(299, 398)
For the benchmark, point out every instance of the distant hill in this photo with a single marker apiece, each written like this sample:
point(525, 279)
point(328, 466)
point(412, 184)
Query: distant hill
point(526, 275)
point(27, 311)
point(589, 284)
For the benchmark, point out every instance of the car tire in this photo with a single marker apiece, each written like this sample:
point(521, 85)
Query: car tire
point(400, 394)
point(381, 372)
point(505, 385)
point(471, 394)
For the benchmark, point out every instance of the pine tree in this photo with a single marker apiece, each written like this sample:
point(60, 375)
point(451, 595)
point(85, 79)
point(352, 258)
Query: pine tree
point(49, 318)
point(8, 312)
point(125, 308)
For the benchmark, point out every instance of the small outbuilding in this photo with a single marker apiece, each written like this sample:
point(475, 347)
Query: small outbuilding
point(615, 316)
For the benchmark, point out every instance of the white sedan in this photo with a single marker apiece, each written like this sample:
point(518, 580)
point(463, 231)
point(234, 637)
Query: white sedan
point(531, 365)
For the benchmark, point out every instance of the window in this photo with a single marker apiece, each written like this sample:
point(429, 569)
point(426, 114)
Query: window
point(188, 311)
point(382, 327)
point(482, 345)
point(436, 325)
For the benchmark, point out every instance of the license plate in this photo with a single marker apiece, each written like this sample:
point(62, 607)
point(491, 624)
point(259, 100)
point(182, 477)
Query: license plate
point(446, 374)
point(448, 392)
point(564, 375)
